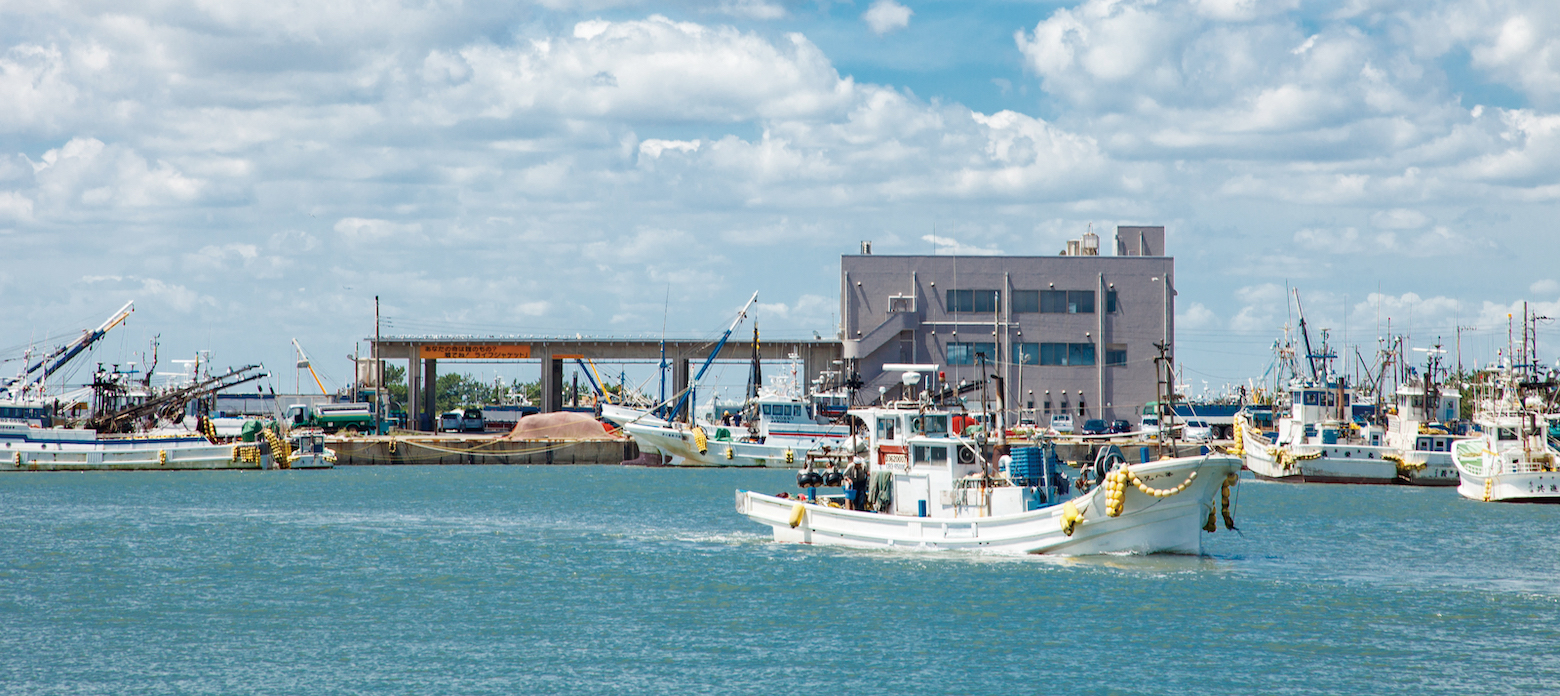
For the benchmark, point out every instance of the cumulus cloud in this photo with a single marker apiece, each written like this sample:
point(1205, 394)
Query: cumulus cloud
point(651, 69)
point(425, 152)
point(885, 16)
point(1196, 317)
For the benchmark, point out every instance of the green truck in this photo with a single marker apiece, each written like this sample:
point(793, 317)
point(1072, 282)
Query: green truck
point(352, 417)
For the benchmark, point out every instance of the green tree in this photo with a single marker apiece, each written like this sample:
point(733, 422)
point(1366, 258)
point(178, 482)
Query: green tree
point(395, 385)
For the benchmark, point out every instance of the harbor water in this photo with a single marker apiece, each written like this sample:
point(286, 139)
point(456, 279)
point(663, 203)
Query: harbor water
point(584, 580)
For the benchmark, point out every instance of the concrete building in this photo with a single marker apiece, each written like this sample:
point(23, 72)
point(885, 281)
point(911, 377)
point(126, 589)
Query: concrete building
point(1073, 333)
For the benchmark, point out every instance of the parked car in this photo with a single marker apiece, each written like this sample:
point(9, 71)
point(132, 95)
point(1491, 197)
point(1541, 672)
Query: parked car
point(1062, 423)
point(1094, 426)
point(450, 421)
point(1150, 425)
point(1118, 427)
point(1198, 431)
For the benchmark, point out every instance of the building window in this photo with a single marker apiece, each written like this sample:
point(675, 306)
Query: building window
point(1026, 301)
point(966, 353)
point(1115, 354)
point(1067, 354)
point(1026, 354)
point(1110, 301)
point(987, 301)
point(1080, 301)
point(1053, 301)
point(1067, 302)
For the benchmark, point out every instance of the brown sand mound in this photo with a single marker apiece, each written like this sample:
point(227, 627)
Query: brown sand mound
point(563, 425)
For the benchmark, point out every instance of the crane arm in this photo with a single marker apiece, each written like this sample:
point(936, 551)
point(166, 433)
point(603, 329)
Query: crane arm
point(718, 346)
point(305, 362)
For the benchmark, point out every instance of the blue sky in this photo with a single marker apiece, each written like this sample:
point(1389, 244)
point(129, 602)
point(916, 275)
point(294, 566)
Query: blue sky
point(250, 173)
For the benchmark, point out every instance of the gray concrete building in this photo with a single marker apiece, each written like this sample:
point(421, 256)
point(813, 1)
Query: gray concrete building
point(1072, 333)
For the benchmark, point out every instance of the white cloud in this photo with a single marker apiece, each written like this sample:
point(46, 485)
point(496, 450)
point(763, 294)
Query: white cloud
point(755, 9)
point(1196, 317)
point(885, 16)
point(371, 230)
point(14, 206)
point(947, 246)
point(1399, 219)
point(654, 146)
point(651, 69)
point(1546, 286)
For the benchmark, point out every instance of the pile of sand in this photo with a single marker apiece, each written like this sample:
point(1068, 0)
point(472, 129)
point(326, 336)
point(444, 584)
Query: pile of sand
point(564, 425)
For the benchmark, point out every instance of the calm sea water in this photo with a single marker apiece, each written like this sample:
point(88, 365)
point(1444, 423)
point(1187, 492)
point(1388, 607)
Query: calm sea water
point(543, 580)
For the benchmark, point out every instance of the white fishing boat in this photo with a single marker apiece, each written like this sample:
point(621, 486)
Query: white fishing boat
point(774, 426)
point(1419, 432)
point(1317, 443)
point(706, 444)
point(1331, 435)
point(1512, 460)
point(24, 447)
point(934, 490)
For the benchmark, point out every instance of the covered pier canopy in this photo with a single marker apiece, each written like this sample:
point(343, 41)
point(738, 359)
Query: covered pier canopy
point(423, 353)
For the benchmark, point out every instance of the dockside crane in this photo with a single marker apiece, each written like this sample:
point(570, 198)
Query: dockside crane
point(304, 363)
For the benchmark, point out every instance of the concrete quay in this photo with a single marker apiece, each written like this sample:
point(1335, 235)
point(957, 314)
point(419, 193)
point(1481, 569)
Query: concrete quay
point(427, 449)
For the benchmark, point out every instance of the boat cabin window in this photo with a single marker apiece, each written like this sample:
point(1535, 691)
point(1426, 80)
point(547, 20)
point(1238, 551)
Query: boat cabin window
point(1416, 402)
point(1332, 399)
point(1422, 444)
point(926, 454)
point(1505, 433)
point(1312, 398)
point(885, 429)
point(1441, 444)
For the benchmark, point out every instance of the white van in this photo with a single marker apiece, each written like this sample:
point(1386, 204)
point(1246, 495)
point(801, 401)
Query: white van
point(1062, 423)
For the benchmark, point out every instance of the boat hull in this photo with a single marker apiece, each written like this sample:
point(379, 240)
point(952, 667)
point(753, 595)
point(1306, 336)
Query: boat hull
point(1147, 524)
point(683, 446)
point(1324, 465)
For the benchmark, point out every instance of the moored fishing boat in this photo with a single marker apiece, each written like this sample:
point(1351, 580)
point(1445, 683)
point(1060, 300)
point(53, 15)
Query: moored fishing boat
point(1512, 460)
point(28, 448)
point(931, 489)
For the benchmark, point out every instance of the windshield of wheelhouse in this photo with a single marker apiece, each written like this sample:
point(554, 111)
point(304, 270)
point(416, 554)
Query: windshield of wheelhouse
point(934, 425)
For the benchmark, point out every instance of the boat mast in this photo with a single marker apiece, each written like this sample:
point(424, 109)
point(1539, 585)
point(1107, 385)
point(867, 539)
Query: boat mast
point(688, 391)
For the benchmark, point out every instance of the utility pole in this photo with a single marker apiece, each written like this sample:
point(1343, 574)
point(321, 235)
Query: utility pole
point(1460, 331)
point(379, 377)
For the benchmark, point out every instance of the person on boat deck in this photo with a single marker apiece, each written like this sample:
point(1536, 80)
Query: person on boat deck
point(856, 483)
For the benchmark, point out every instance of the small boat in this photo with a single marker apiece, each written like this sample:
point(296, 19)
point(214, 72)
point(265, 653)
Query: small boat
point(931, 489)
point(307, 450)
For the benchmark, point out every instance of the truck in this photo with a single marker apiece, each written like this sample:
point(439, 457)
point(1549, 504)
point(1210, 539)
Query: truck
point(352, 417)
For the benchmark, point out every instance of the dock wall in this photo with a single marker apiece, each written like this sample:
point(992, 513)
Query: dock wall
point(398, 450)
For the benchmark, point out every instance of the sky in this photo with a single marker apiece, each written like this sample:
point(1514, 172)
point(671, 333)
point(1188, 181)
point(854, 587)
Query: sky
point(250, 173)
